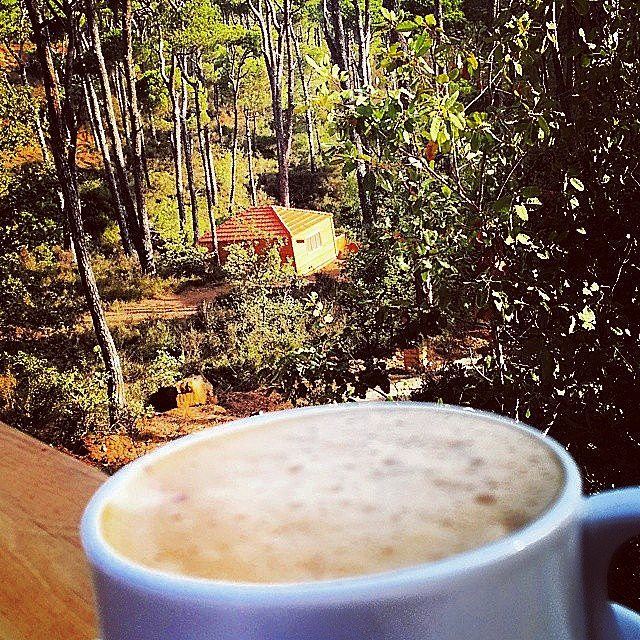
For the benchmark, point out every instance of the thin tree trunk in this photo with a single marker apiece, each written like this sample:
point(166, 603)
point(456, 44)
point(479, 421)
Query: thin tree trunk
point(188, 160)
point(118, 83)
point(307, 103)
point(176, 139)
point(252, 180)
point(234, 149)
point(270, 19)
point(145, 165)
point(152, 128)
point(439, 13)
point(146, 256)
point(288, 112)
point(112, 131)
point(212, 166)
point(46, 154)
point(95, 118)
point(62, 146)
point(362, 36)
point(333, 26)
point(214, 192)
point(206, 165)
point(216, 102)
point(334, 32)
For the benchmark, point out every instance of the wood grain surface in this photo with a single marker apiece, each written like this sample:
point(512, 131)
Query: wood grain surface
point(45, 593)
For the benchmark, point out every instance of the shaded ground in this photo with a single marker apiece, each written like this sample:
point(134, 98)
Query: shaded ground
point(171, 306)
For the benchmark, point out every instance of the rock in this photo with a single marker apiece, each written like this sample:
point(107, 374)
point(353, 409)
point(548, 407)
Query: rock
point(188, 392)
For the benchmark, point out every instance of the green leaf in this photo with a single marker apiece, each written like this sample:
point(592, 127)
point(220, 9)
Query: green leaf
point(582, 6)
point(473, 61)
point(407, 25)
point(521, 212)
point(576, 184)
point(435, 127)
point(446, 192)
point(442, 78)
point(456, 121)
point(502, 205)
point(386, 14)
point(312, 63)
point(523, 238)
point(588, 318)
point(451, 100)
point(544, 125)
point(430, 20)
point(422, 44)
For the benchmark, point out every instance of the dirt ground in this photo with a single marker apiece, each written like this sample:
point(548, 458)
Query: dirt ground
point(171, 306)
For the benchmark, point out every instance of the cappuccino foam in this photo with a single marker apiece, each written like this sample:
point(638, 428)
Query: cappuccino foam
point(342, 493)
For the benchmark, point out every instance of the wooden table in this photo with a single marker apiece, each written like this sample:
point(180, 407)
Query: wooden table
point(45, 593)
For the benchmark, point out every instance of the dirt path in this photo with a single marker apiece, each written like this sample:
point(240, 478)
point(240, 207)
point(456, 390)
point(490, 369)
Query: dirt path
point(171, 306)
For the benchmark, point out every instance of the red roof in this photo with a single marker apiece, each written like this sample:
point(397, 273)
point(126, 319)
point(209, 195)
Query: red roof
point(268, 221)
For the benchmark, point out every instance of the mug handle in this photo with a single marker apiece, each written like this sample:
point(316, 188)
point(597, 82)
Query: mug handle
point(609, 519)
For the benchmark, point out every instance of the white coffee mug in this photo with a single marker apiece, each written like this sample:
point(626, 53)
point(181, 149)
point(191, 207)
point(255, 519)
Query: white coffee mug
point(546, 581)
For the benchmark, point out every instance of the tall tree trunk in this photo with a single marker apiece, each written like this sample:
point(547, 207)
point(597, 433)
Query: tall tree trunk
point(252, 179)
point(188, 160)
point(212, 166)
point(145, 163)
point(333, 25)
point(206, 161)
point(176, 137)
point(112, 131)
point(438, 13)
point(118, 84)
point(147, 262)
point(308, 118)
point(216, 103)
point(152, 128)
point(278, 61)
point(63, 150)
point(234, 149)
point(204, 135)
point(214, 192)
point(362, 37)
point(95, 118)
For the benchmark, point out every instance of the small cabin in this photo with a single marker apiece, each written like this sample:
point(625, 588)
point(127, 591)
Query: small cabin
point(307, 239)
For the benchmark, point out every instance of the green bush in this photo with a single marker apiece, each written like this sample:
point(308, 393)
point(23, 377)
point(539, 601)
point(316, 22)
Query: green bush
point(246, 334)
point(53, 404)
point(174, 259)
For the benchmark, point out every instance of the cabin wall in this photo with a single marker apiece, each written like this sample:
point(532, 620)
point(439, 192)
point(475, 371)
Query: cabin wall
point(309, 256)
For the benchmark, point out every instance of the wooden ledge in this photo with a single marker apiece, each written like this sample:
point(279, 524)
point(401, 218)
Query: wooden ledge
point(45, 592)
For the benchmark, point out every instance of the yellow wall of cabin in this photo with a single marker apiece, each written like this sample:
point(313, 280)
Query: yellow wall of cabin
point(309, 261)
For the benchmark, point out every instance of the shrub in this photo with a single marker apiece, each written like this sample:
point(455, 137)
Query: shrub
point(55, 405)
point(174, 259)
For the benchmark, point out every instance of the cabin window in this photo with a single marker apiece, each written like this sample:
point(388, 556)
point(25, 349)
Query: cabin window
point(313, 242)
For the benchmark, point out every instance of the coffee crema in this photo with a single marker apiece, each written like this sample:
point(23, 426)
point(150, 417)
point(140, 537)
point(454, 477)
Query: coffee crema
point(336, 494)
